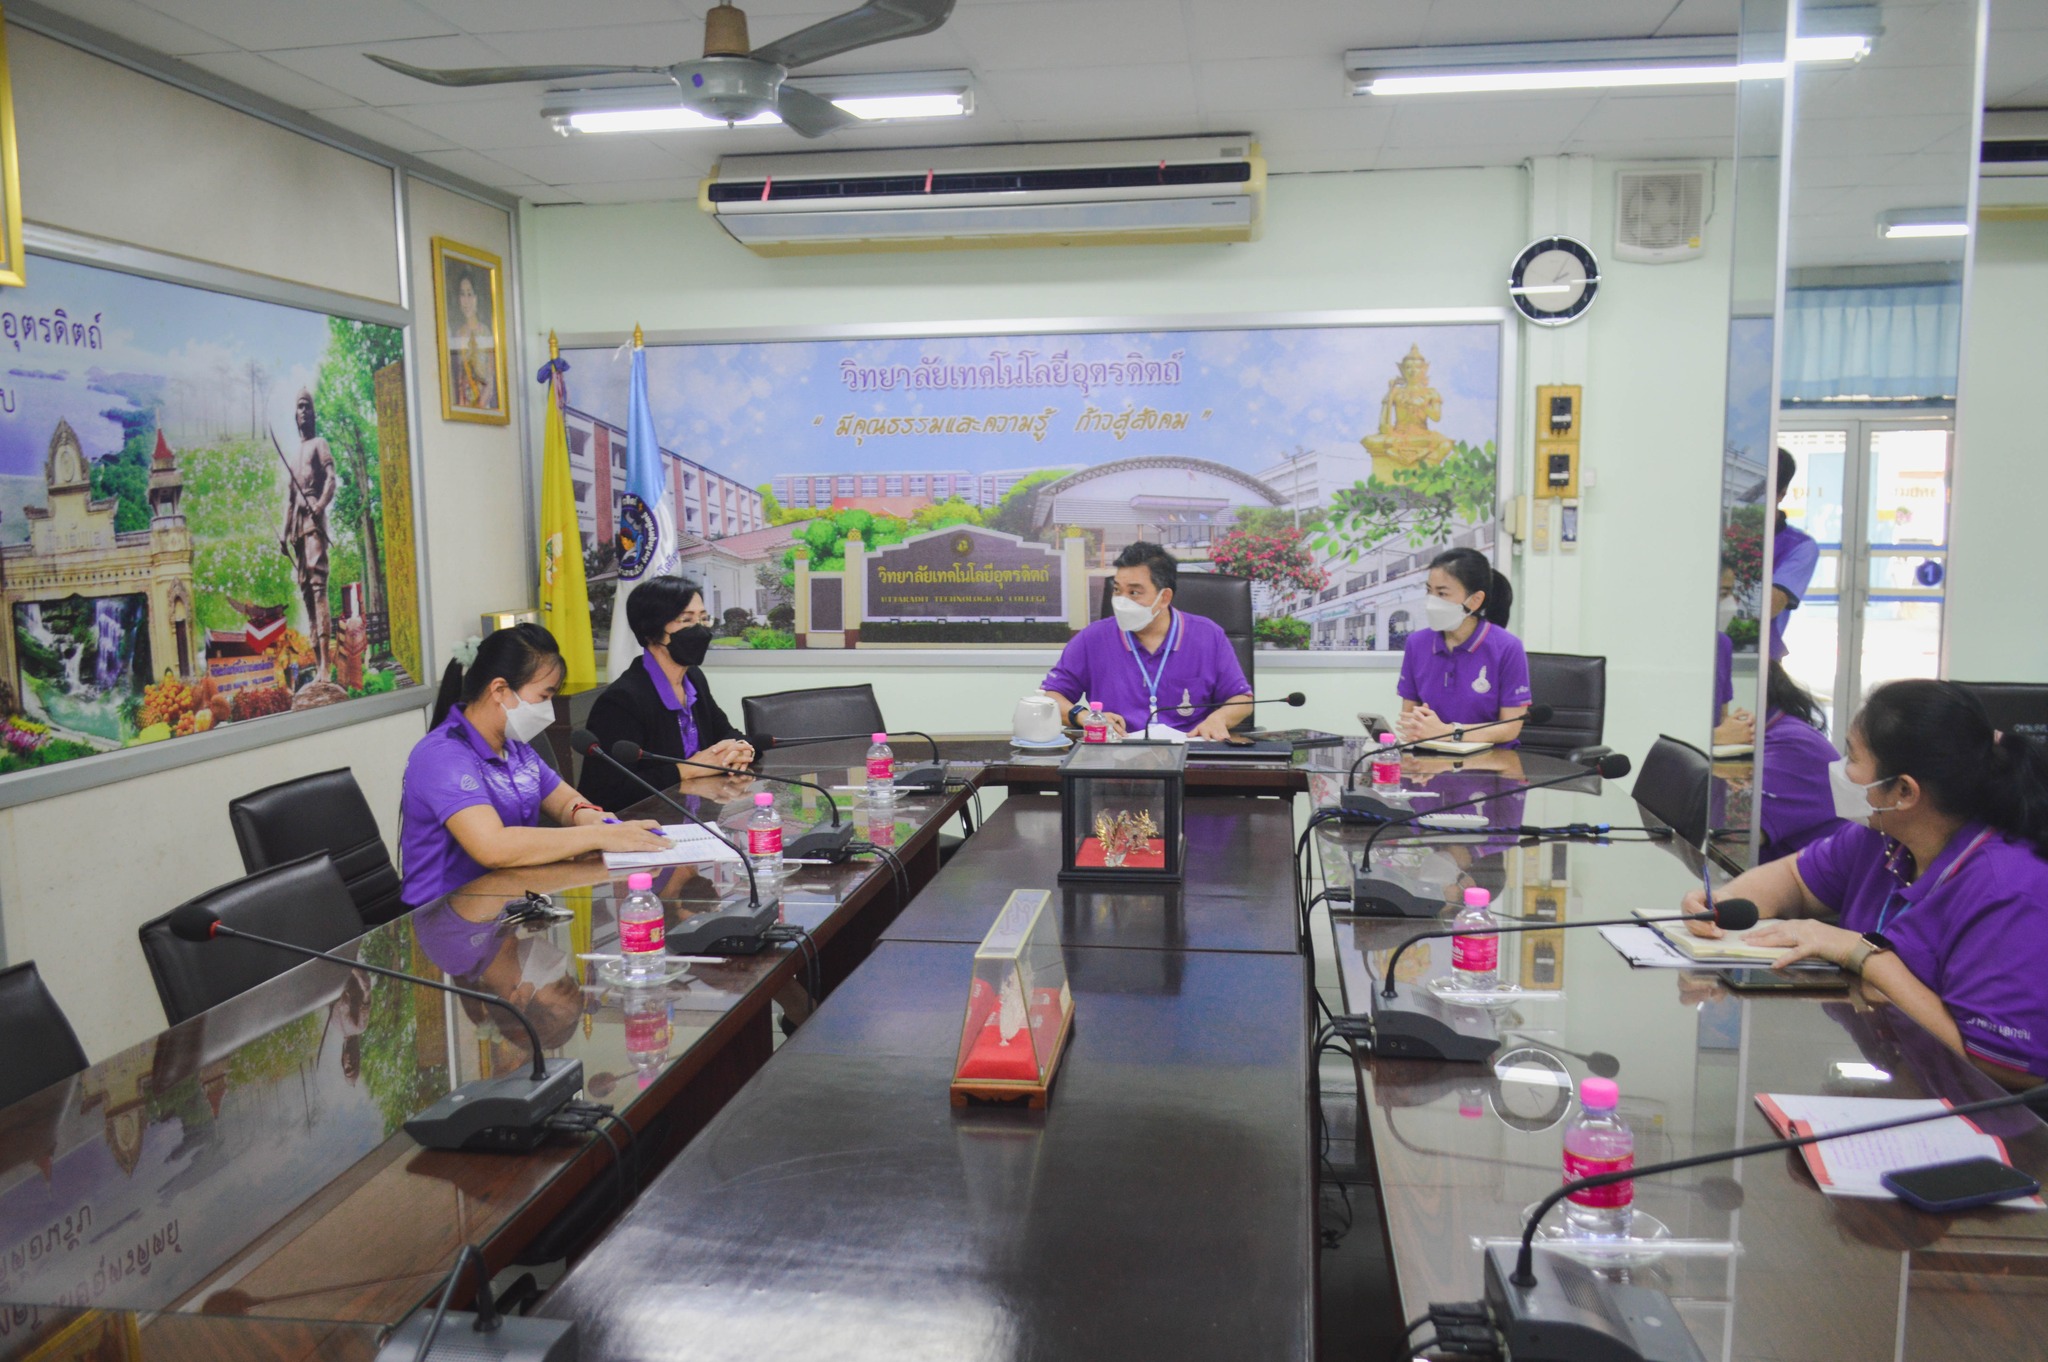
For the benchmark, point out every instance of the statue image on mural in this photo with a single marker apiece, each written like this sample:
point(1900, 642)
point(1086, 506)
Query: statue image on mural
point(168, 564)
point(975, 490)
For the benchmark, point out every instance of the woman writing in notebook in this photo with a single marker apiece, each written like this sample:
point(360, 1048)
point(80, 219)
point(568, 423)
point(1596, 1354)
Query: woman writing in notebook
point(1938, 883)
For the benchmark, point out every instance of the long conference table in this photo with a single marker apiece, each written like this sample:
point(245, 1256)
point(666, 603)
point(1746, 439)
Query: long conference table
point(238, 1185)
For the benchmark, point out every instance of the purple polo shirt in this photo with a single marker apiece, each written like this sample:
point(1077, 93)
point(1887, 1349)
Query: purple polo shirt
point(679, 705)
point(452, 769)
point(1798, 805)
point(1794, 556)
point(460, 948)
point(1102, 662)
point(1973, 927)
point(1469, 684)
point(1724, 675)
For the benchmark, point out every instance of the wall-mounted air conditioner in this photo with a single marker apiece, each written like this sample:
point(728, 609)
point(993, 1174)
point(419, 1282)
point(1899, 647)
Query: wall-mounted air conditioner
point(1162, 191)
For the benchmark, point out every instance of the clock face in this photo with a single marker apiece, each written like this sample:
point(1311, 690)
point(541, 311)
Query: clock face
point(1554, 280)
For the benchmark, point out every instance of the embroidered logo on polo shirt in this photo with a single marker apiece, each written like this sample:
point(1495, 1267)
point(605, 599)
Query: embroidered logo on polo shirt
point(1187, 704)
point(1480, 685)
point(469, 783)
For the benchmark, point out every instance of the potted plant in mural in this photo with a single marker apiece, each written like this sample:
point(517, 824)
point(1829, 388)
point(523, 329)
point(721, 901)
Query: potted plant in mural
point(1742, 552)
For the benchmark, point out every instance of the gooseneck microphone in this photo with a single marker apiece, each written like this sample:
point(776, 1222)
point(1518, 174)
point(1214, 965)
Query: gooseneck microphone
point(1537, 714)
point(584, 741)
point(815, 844)
point(1734, 915)
point(507, 1114)
point(1613, 766)
point(931, 776)
point(1294, 699)
point(1402, 1033)
point(1581, 1314)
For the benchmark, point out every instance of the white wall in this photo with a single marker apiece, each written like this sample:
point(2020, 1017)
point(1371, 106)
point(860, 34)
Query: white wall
point(1650, 353)
point(2001, 478)
point(116, 155)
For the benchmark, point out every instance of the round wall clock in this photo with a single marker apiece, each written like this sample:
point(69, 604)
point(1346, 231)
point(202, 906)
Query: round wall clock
point(1554, 280)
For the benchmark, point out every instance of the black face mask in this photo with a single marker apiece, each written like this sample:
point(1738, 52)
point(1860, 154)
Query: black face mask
point(686, 647)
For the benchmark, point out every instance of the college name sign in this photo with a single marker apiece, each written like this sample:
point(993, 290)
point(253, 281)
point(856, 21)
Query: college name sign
point(966, 573)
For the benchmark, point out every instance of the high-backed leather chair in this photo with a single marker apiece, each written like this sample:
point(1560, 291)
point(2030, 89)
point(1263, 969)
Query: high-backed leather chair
point(2014, 706)
point(822, 712)
point(304, 902)
point(1676, 785)
point(1575, 688)
point(1217, 596)
point(314, 814)
point(41, 1047)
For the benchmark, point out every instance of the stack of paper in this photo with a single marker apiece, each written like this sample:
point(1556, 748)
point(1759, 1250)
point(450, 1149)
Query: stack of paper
point(1451, 748)
point(688, 845)
point(1853, 1166)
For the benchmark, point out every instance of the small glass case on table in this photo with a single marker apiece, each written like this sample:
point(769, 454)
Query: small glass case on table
point(1120, 812)
point(1019, 1008)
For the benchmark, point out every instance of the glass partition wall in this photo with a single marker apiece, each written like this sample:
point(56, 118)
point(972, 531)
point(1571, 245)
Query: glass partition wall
point(1842, 390)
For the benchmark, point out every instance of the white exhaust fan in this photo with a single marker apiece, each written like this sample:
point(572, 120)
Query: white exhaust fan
point(1156, 192)
point(1660, 214)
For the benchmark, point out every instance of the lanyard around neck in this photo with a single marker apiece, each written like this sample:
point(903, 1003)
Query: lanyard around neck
point(1897, 898)
point(1151, 679)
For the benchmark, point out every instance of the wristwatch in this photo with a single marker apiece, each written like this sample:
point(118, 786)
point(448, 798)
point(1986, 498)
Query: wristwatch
point(1873, 943)
point(1074, 713)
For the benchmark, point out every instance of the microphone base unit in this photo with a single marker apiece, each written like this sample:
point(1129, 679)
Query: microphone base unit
point(822, 843)
point(1383, 898)
point(503, 1115)
point(1365, 804)
point(926, 777)
point(739, 932)
point(1573, 1314)
point(515, 1338)
point(1417, 1035)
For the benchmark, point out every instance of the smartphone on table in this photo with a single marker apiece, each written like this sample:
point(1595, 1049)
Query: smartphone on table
point(1958, 1186)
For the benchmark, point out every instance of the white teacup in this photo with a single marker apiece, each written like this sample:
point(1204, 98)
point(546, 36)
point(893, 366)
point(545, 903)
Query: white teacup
point(1037, 719)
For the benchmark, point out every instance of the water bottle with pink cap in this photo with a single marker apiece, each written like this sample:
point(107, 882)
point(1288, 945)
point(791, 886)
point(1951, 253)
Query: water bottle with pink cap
point(1475, 960)
point(881, 789)
point(1599, 1141)
point(643, 955)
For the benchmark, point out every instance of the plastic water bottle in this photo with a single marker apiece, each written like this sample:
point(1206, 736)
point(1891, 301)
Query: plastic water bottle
point(642, 932)
point(1094, 724)
point(1386, 762)
point(764, 838)
point(1475, 960)
point(881, 772)
point(1599, 1141)
point(649, 1029)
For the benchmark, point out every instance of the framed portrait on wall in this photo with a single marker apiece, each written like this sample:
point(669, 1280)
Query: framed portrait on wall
point(12, 271)
point(469, 330)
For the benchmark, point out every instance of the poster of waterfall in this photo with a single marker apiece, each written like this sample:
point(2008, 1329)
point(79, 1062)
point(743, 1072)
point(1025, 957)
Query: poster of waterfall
point(193, 513)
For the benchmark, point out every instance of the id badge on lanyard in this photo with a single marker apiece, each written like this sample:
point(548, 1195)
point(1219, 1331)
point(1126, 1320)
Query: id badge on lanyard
point(1153, 679)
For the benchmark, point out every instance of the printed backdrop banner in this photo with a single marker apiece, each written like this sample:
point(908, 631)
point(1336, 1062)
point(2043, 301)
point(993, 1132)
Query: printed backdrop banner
point(1319, 461)
point(205, 513)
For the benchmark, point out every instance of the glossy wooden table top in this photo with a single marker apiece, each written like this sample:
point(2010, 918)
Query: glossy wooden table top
point(249, 1161)
point(1160, 1207)
point(1236, 896)
point(1462, 1151)
point(992, 758)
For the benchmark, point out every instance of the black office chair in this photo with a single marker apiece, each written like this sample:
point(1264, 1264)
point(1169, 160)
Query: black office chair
point(822, 712)
point(2014, 706)
point(1575, 688)
point(41, 1047)
point(314, 814)
point(1217, 596)
point(303, 901)
point(1675, 784)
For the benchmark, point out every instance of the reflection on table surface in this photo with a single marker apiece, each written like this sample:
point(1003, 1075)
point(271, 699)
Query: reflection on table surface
point(1463, 1150)
point(188, 1173)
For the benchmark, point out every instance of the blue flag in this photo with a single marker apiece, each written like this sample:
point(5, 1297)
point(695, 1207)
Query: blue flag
point(647, 519)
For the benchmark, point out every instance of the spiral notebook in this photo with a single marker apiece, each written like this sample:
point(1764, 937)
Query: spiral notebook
point(1856, 1165)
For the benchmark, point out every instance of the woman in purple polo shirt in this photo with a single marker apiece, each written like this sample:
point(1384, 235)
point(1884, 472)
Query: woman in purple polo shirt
point(475, 791)
point(1938, 880)
point(1150, 662)
point(1798, 805)
point(1465, 670)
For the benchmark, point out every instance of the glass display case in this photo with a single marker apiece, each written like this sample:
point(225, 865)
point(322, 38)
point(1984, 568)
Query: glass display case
point(1019, 1008)
point(1120, 812)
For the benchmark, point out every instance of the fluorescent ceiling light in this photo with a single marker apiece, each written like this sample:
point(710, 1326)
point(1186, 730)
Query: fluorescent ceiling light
point(873, 98)
point(1594, 64)
point(1906, 224)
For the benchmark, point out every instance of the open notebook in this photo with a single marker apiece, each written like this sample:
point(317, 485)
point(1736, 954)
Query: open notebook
point(688, 845)
point(1853, 1166)
point(1728, 948)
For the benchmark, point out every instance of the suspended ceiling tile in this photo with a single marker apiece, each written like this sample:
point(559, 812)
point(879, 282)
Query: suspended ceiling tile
point(261, 25)
point(1461, 121)
point(382, 128)
point(350, 70)
point(254, 72)
point(1620, 118)
point(1512, 23)
point(1226, 30)
point(633, 191)
point(471, 165)
point(1108, 96)
point(1261, 85)
point(627, 44)
point(578, 160)
point(153, 29)
point(1055, 34)
point(511, 16)
point(510, 119)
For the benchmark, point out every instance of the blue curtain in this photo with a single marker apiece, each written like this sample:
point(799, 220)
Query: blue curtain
point(1892, 342)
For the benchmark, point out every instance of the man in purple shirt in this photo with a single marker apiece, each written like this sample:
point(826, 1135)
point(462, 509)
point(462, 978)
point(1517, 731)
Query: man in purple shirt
point(1794, 557)
point(1151, 663)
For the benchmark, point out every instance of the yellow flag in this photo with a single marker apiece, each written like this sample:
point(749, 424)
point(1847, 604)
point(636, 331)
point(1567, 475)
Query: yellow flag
point(564, 598)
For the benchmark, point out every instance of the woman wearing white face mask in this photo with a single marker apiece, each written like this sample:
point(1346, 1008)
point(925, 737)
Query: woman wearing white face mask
point(1937, 883)
point(475, 789)
point(1465, 669)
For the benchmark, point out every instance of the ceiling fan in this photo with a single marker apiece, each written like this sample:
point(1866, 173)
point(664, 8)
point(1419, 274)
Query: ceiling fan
point(731, 82)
